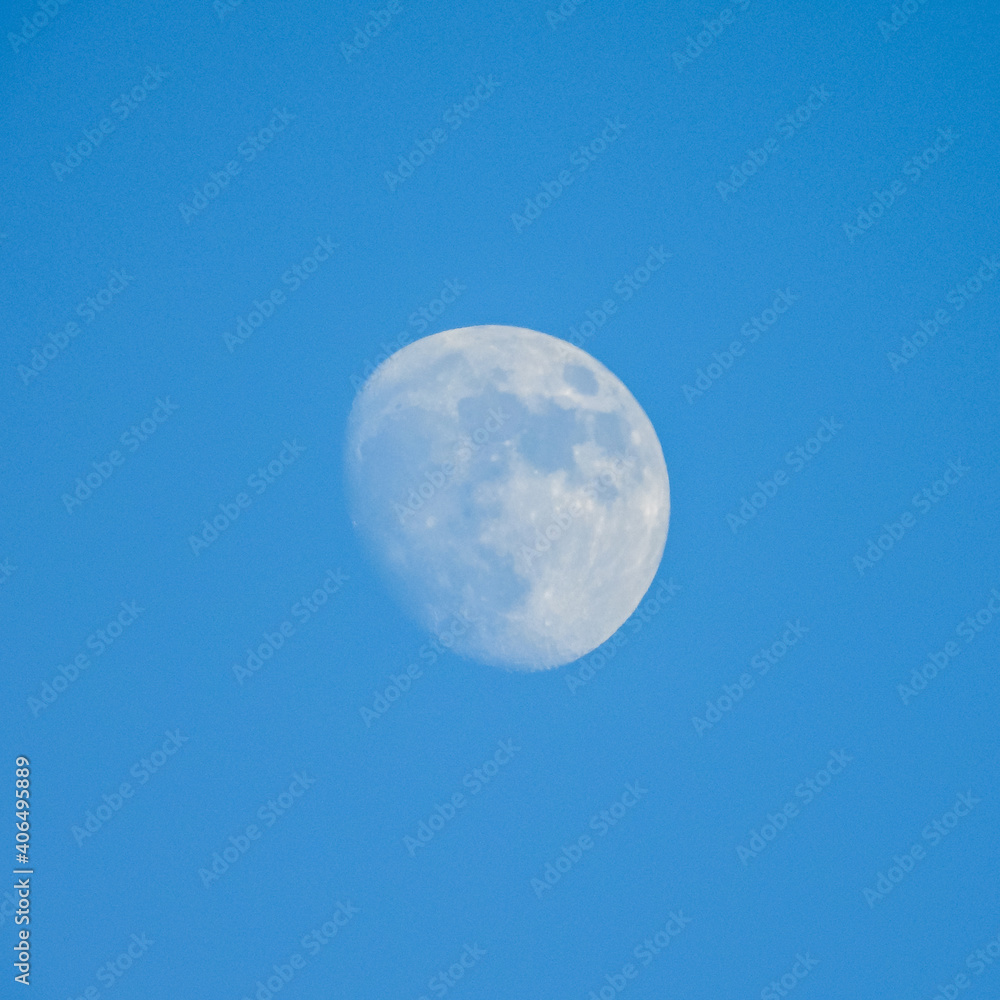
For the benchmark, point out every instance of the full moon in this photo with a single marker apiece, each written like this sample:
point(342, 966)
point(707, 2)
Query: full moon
point(512, 489)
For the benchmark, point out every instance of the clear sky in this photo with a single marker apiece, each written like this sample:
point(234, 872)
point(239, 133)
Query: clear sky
point(778, 225)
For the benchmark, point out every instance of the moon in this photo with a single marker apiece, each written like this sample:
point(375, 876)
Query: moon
point(513, 491)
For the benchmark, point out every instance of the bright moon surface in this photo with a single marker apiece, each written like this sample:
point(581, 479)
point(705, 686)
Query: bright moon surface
point(512, 488)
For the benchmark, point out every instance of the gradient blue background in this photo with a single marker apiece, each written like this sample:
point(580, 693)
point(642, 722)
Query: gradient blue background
point(323, 176)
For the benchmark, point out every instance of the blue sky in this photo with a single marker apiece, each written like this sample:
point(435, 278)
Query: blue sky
point(207, 238)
